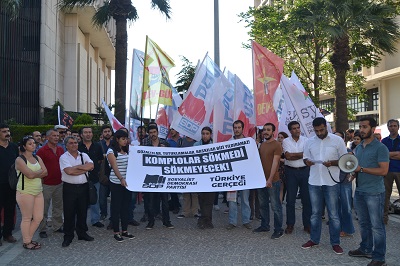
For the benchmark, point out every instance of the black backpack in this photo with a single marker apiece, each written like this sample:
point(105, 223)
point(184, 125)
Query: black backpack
point(13, 177)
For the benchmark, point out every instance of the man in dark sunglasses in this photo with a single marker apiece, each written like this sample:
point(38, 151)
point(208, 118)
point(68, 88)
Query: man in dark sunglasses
point(62, 130)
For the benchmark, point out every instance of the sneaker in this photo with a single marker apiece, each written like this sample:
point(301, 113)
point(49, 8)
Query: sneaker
point(226, 211)
point(377, 263)
point(230, 227)
point(144, 218)
point(180, 216)
point(216, 208)
point(169, 225)
point(118, 238)
point(359, 253)
point(128, 235)
point(247, 226)
point(150, 226)
point(197, 215)
point(337, 249)
point(260, 229)
point(277, 235)
point(98, 224)
point(308, 245)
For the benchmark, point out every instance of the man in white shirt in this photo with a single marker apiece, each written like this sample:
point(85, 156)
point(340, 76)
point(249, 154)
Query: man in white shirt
point(74, 166)
point(297, 174)
point(322, 153)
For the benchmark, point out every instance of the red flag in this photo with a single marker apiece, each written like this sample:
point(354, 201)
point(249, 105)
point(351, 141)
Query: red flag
point(267, 72)
point(64, 118)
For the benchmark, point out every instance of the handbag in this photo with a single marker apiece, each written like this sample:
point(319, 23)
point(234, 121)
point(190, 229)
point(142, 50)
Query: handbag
point(92, 189)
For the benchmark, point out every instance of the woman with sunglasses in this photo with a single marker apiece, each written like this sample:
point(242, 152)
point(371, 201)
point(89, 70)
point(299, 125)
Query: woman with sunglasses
point(29, 191)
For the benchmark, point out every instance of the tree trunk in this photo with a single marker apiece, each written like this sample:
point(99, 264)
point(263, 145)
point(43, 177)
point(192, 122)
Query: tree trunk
point(340, 62)
point(121, 42)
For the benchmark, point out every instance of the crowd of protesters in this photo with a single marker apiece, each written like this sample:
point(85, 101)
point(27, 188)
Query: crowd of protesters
point(56, 167)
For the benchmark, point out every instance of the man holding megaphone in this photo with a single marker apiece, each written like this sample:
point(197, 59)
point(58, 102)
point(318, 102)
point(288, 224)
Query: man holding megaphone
point(321, 153)
point(369, 198)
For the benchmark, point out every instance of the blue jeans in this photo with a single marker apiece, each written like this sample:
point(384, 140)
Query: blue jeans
point(370, 209)
point(95, 208)
point(271, 194)
point(297, 178)
point(331, 196)
point(233, 209)
point(345, 209)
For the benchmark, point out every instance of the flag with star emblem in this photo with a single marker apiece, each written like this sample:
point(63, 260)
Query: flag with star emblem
point(267, 72)
point(156, 84)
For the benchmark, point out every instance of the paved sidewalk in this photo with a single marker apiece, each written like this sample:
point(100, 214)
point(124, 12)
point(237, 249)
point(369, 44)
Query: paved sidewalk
point(187, 245)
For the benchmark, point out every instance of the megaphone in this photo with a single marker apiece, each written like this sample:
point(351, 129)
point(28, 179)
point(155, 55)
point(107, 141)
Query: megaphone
point(348, 163)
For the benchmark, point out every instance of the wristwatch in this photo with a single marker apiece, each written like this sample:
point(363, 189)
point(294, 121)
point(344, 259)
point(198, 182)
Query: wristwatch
point(362, 170)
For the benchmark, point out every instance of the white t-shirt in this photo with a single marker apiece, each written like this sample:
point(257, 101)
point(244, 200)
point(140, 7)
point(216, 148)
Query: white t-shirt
point(122, 164)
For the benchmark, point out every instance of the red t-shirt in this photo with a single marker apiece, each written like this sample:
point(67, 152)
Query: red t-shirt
point(52, 162)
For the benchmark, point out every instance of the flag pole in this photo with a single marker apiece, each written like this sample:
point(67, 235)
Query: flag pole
point(141, 101)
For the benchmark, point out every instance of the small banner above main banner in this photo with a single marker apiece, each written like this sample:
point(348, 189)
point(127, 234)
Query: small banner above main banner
point(226, 166)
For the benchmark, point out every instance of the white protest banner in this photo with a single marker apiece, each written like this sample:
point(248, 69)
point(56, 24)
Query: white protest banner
point(225, 166)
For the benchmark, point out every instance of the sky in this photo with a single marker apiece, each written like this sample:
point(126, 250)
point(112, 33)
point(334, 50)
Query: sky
point(190, 32)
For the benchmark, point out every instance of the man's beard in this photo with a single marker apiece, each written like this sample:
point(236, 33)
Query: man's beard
point(268, 138)
point(368, 135)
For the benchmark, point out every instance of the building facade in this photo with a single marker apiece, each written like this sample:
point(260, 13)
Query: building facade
point(48, 55)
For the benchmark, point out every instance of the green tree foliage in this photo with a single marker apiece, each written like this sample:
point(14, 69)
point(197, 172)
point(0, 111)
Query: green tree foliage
point(185, 76)
point(83, 119)
point(318, 38)
point(12, 7)
point(121, 11)
point(102, 112)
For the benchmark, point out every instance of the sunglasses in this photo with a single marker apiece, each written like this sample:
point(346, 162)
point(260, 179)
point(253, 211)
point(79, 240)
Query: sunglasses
point(62, 132)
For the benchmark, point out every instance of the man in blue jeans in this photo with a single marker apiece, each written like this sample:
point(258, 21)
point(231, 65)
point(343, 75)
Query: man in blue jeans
point(369, 198)
point(270, 154)
point(238, 127)
point(321, 153)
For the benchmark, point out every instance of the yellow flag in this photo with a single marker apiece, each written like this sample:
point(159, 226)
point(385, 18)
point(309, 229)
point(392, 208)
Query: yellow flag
point(156, 84)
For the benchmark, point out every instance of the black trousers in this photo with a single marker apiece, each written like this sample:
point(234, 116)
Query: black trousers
point(154, 199)
point(75, 203)
point(7, 202)
point(206, 201)
point(121, 200)
point(175, 205)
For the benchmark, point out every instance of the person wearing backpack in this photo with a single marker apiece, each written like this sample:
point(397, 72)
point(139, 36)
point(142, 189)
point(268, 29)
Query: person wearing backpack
point(29, 191)
point(8, 153)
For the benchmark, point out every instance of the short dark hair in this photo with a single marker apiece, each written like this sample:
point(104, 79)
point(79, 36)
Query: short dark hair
point(152, 127)
point(371, 120)
point(272, 125)
point(393, 121)
point(140, 127)
point(238, 122)
point(208, 129)
point(284, 134)
point(289, 126)
point(105, 126)
point(318, 121)
point(350, 130)
point(3, 125)
point(82, 128)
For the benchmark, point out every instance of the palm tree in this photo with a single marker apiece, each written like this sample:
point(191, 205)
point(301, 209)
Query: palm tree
point(361, 30)
point(121, 11)
point(11, 6)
